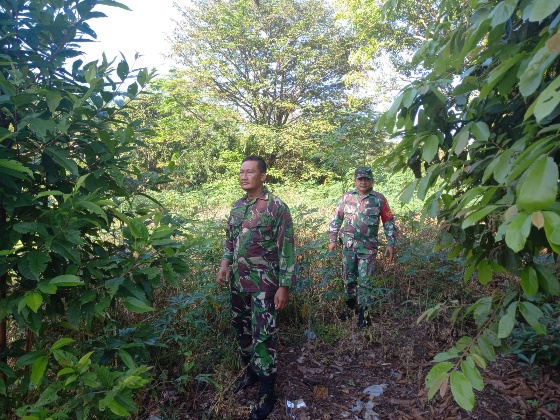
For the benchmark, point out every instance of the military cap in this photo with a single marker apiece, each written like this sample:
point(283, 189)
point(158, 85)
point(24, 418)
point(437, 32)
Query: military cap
point(363, 172)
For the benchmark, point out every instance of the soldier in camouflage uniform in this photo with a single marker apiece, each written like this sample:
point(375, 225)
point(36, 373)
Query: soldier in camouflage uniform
point(356, 224)
point(258, 264)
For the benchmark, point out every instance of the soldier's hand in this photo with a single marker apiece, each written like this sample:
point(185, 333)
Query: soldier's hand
point(223, 274)
point(332, 246)
point(281, 298)
point(389, 251)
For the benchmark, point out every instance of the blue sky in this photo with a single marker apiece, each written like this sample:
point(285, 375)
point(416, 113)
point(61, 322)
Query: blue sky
point(144, 29)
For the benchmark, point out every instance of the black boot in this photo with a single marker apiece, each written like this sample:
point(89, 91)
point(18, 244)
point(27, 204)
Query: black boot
point(267, 399)
point(351, 304)
point(249, 377)
point(364, 320)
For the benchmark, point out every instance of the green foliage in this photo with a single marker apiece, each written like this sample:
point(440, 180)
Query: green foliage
point(76, 251)
point(480, 132)
point(390, 30)
point(531, 347)
point(268, 59)
point(189, 136)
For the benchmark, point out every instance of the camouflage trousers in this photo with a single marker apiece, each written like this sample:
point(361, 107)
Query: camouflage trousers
point(254, 323)
point(358, 268)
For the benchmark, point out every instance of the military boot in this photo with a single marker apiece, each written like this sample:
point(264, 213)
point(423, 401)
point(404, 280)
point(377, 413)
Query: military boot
point(347, 314)
point(266, 400)
point(249, 377)
point(364, 320)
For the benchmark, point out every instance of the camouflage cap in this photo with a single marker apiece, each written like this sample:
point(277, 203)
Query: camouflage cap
point(363, 172)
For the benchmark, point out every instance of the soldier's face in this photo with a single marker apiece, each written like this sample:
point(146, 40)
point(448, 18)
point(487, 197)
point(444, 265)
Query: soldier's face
point(250, 178)
point(363, 185)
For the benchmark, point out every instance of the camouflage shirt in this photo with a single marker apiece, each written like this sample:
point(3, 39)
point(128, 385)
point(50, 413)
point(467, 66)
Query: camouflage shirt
point(260, 244)
point(357, 220)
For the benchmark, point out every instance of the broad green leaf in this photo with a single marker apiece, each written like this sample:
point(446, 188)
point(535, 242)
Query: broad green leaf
point(548, 280)
point(49, 193)
point(85, 360)
point(502, 12)
point(552, 229)
point(65, 371)
point(49, 395)
point(504, 165)
point(469, 272)
point(507, 321)
point(463, 343)
point(454, 252)
point(529, 281)
point(94, 208)
point(14, 165)
point(518, 230)
point(47, 288)
point(462, 390)
point(34, 301)
point(66, 280)
point(38, 369)
point(3, 389)
point(477, 215)
point(497, 74)
point(122, 70)
point(531, 77)
point(484, 272)
point(127, 359)
point(480, 361)
point(481, 131)
point(135, 382)
point(538, 190)
point(461, 140)
point(135, 305)
point(53, 100)
point(29, 358)
point(473, 375)
point(548, 100)
point(60, 156)
point(436, 384)
point(436, 371)
point(542, 9)
point(430, 148)
point(532, 314)
point(447, 355)
point(61, 343)
point(38, 261)
point(481, 309)
point(138, 229)
point(424, 185)
point(117, 409)
point(486, 348)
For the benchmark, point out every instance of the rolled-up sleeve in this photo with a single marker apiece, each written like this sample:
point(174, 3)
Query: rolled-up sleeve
point(228, 246)
point(286, 248)
point(389, 225)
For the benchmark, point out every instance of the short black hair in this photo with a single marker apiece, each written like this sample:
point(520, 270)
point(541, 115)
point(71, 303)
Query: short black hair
point(260, 162)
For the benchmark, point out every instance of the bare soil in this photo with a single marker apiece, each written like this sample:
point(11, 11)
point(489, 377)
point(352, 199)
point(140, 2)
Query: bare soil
point(329, 376)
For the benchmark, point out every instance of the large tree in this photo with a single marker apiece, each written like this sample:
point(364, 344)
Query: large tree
point(269, 59)
point(481, 131)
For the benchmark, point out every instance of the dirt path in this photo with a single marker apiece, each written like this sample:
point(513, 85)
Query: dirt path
point(330, 379)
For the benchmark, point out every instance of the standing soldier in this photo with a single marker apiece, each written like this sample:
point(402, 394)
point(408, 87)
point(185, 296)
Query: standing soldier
point(356, 223)
point(258, 264)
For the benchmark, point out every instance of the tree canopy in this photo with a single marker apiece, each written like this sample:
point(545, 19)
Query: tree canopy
point(269, 59)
